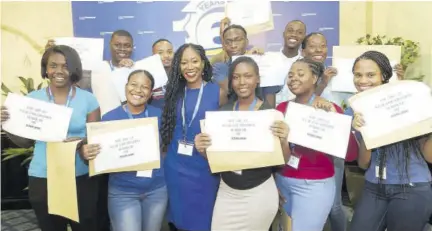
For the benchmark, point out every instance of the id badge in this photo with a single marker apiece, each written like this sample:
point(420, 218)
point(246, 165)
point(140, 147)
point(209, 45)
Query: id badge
point(185, 148)
point(384, 175)
point(294, 161)
point(147, 173)
point(239, 172)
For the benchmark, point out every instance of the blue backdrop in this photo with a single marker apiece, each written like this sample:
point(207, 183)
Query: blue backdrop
point(193, 21)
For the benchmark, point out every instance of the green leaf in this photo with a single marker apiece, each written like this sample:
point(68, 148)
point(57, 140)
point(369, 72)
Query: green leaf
point(23, 81)
point(26, 160)
point(30, 85)
point(5, 89)
point(40, 86)
point(19, 151)
point(8, 157)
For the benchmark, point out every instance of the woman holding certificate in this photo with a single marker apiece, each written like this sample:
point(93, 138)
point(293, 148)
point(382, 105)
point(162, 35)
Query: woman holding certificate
point(247, 199)
point(307, 181)
point(62, 66)
point(397, 194)
point(136, 201)
point(189, 94)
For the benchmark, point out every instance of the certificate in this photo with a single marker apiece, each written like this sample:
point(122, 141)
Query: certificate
point(240, 131)
point(326, 132)
point(126, 148)
point(273, 70)
point(152, 64)
point(242, 140)
point(254, 16)
point(126, 145)
point(119, 77)
point(344, 58)
point(394, 112)
point(90, 50)
point(36, 119)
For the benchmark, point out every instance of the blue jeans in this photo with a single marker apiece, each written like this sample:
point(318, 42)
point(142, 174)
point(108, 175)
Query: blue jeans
point(308, 201)
point(130, 211)
point(395, 207)
point(338, 219)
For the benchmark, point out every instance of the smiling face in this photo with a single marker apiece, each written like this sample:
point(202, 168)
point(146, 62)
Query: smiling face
point(245, 80)
point(121, 48)
point(367, 75)
point(316, 48)
point(165, 50)
point(138, 89)
point(301, 79)
point(294, 34)
point(191, 65)
point(57, 71)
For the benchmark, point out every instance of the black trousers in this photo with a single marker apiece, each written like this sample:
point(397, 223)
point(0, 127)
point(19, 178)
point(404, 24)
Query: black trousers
point(87, 189)
point(104, 223)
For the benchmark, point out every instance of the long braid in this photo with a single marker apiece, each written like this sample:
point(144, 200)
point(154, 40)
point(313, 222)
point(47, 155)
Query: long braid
point(406, 146)
point(175, 91)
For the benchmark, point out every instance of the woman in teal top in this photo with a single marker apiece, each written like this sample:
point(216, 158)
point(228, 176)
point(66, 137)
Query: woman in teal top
point(62, 66)
point(397, 195)
point(136, 202)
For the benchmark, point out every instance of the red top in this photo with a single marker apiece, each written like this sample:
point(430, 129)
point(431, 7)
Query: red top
point(316, 165)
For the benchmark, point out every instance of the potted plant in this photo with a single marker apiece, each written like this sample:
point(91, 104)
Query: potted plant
point(410, 50)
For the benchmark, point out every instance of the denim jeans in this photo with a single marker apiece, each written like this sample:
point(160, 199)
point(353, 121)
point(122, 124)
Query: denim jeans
point(395, 207)
point(130, 211)
point(308, 201)
point(338, 219)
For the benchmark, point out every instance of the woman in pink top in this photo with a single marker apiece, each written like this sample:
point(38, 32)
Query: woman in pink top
point(307, 181)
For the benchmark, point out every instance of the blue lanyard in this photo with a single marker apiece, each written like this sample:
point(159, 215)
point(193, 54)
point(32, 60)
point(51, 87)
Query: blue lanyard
point(251, 106)
point(69, 98)
point(111, 65)
point(194, 112)
point(126, 109)
point(292, 146)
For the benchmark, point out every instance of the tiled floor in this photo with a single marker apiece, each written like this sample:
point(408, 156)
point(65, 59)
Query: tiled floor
point(25, 220)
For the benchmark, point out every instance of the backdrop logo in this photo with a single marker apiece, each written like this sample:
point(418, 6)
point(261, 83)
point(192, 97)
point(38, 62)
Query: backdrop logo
point(199, 23)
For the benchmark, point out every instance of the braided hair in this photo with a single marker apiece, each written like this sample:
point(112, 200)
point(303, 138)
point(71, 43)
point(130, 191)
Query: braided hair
point(317, 68)
point(406, 146)
point(232, 96)
point(381, 60)
point(175, 90)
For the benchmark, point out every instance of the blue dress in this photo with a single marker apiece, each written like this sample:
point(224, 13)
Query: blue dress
point(191, 187)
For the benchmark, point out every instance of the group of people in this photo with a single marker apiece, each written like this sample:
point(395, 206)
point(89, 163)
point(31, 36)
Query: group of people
point(397, 195)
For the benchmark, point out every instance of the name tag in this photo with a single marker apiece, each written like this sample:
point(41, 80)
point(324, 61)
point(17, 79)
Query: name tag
point(239, 172)
point(147, 173)
point(185, 148)
point(294, 161)
point(384, 174)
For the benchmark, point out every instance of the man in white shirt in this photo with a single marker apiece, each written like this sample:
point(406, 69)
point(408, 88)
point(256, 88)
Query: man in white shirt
point(294, 33)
